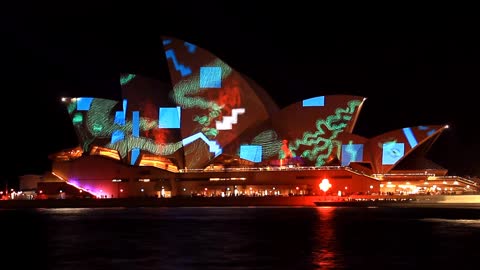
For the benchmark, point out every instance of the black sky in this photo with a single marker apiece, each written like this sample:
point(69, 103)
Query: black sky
point(415, 68)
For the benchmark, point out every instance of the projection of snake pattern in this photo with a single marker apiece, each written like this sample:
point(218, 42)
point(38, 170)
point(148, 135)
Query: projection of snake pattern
point(183, 92)
point(100, 124)
point(323, 141)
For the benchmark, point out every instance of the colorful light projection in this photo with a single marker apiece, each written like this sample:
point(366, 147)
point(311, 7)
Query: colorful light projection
point(410, 137)
point(215, 104)
point(392, 152)
point(285, 152)
point(322, 143)
point(96, 120)
point(228, 121)
point(352, 153)
point(215, 99)
point(188, 95)
point(251, 152)
point(270, 143)
point(126, 78)
point(169, 117)
point(182, 69)
point(397, 144)
point(314, 102)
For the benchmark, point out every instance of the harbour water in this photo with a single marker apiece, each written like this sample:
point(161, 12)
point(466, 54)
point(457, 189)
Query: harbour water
point(241, 238)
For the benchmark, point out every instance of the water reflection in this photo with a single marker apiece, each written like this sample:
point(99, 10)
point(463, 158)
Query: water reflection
point(325, 251)
point(260, 238)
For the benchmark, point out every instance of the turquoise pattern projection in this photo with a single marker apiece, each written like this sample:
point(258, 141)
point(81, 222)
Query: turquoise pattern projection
point(429, 132)
point(190, 47)
point(323, 142)
point(251, 152)
point(351, 153)
point(392, 152)
point(169, 117)
point(210, 77)
point(183, 69)
point(314, 102)
point(125, 79)
point(119, 118)
point(83, 103)
point(117, 136)
point(410, 137)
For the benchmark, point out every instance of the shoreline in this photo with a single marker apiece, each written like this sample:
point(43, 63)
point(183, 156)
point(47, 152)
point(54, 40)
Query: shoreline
point(293, 201)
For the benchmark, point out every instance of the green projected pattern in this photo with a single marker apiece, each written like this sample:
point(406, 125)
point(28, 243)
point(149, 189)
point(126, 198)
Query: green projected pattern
point(144, 144)
point(322, 142)
point(183, 95)
point(99, 123)
point(126, 78)
point(270, 143)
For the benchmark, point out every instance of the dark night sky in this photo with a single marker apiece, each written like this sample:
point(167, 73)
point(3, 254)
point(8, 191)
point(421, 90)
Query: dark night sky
point(415, 68)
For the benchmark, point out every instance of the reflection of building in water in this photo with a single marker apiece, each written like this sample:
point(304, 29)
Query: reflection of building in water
point(324, 253)
point(211, 131)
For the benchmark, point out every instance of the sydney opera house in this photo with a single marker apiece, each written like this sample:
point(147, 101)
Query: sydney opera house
point(212, 131)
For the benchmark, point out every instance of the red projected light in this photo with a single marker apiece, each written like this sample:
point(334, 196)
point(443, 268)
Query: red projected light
point(325, 185)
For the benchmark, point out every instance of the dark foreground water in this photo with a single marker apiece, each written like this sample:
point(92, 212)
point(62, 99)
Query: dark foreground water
point(241, 238)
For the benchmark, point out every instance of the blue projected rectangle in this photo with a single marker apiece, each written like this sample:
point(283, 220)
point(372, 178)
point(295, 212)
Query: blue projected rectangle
point(210, 77)
point(136, 124)
point(422, 127)
point(392, 152)
point(169, 117)
point(352, 153)
point(410, 137)
point(134, 156)
point(119, 118)
point(191, 47)
point(124, 105)
point(117, 135)
point(83, 103)
point(251, 152)
point(314, 102)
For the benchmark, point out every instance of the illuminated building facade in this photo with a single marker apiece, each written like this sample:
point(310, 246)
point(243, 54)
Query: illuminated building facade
point(213, 132)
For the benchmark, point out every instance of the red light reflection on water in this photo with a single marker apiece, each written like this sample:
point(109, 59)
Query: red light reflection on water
point(324, 252)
